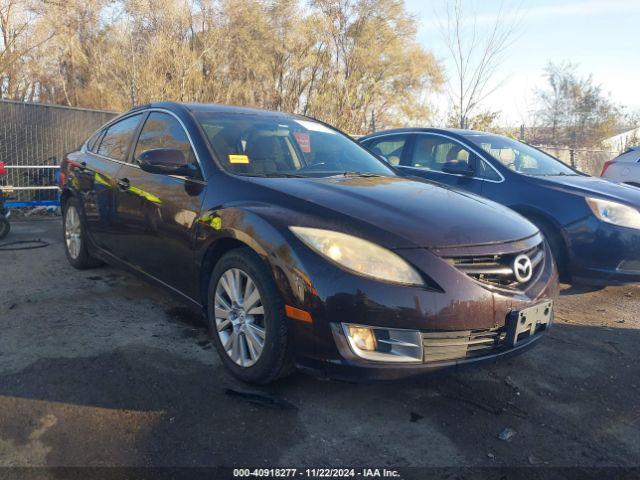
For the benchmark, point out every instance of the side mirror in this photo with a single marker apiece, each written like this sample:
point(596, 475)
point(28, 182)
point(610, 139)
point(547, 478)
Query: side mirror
point(168, 161)
point(458, 168)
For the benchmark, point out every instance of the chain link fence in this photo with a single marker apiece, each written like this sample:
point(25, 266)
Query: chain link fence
point(33, 140)
point(589, 161)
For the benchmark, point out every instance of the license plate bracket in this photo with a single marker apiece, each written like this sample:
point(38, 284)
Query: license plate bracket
point(523, 324)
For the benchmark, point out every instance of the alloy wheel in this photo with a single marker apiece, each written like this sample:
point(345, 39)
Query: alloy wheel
point(73, 232)
point(239, 317)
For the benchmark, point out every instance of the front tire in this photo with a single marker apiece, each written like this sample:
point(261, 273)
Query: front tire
point(75, 238)
point(556, 245)
point(246, 318)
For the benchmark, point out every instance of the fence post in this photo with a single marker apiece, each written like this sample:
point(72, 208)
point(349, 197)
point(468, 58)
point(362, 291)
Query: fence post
point(572, 152)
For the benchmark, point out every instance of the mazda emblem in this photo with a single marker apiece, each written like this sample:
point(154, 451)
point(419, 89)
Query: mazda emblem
point(522, 268)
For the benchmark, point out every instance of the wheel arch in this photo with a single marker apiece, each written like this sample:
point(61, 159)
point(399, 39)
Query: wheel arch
point(538, 217)
point(65, 195)
point(214, 252)
point(243, 228)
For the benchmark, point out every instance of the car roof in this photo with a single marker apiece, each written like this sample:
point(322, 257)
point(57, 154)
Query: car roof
point(460, 132)
point(217, 108)
point(629, 155)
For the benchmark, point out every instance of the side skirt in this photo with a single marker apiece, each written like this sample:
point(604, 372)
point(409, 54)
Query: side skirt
point(111, 259)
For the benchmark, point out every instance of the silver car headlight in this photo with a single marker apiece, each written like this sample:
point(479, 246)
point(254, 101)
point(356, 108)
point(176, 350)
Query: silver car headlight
point(614, 212)
point(359, 256)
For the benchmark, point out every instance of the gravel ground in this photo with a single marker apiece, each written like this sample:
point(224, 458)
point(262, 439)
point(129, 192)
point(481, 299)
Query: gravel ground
point(98, 368)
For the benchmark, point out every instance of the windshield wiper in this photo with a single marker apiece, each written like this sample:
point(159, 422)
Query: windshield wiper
point(356, 174)
point(274, 175)
point(558, 174)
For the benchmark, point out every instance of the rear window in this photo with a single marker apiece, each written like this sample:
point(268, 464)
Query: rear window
point(92, 143)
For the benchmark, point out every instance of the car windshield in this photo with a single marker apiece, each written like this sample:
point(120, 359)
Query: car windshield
point(519, 156)
point(280, 146)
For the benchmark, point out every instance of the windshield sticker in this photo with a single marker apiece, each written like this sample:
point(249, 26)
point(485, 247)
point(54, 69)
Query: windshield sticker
point(238, 159)
point(314, 127)
point(304, 141)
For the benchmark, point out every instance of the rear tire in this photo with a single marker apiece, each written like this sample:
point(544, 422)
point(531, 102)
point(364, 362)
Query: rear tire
point(5, 228)
point(75, 238)
point(243, 307)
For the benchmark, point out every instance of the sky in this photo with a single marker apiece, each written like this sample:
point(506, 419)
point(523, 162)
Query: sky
point(601, 36)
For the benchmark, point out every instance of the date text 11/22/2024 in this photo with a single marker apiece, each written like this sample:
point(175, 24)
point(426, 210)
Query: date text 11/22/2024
point(316, 472)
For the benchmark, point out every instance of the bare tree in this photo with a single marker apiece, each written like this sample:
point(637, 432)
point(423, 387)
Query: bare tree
point(354, 63)
point(573, 110)
point(477, 53)
point(19, 37)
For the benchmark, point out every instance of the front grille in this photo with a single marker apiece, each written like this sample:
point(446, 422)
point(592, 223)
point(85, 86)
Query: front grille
point(498, 270)
point(441, 346)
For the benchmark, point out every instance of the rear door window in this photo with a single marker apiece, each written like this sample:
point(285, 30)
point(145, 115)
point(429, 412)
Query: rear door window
point(390, 147)
point(432, 152)
point(94, 141)
point(115, 142)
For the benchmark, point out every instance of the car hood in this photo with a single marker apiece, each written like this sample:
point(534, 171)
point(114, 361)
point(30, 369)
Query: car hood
point(421, 213)
point(592, 186)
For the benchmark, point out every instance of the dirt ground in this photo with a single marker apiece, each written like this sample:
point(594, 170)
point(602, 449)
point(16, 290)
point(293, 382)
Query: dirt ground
point(98, 368)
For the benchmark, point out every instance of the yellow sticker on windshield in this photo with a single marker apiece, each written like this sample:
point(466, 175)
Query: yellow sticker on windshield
point(238, 159)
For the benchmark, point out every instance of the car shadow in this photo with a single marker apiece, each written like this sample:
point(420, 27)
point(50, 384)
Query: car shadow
point(576, 391)
point(140, 406)
point(578, 289)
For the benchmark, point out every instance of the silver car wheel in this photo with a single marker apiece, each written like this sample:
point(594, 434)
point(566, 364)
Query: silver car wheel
point(239, 317)
point(73, 232)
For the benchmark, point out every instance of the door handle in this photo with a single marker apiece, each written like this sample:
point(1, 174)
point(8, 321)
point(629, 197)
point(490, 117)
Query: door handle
point(123, 183)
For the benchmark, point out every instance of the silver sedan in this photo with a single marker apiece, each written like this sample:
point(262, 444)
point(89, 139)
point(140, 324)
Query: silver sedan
point(625, 168)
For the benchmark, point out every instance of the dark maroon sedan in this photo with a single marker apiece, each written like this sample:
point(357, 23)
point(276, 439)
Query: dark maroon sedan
point(302, 247)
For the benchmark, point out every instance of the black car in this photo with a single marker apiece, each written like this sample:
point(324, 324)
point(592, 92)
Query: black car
point(303, 248)
point(593, 226)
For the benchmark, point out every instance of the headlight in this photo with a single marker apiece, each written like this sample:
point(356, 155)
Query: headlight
point(615, 213)
point(358, 255)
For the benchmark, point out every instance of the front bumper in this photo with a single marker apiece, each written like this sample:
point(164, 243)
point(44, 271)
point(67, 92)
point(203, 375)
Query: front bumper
point(461, 304)
point(442, 352)
point(603, 254)
point(354, 369)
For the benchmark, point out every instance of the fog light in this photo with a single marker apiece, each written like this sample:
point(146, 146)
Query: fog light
point(362, 337)
point(380, 344)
